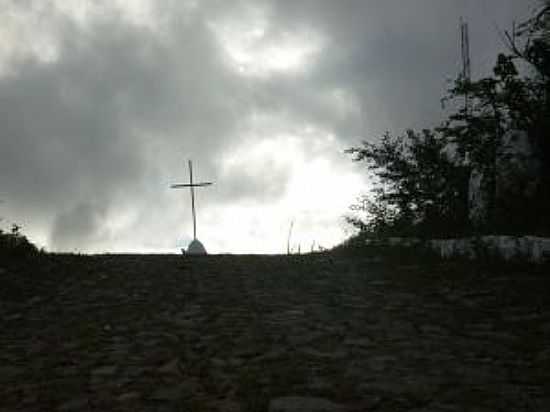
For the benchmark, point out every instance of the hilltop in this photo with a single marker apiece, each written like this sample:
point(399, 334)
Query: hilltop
point(259, 333)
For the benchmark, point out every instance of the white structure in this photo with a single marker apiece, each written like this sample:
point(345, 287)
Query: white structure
point(195, 247)
point(518, 167)
point(531, 249)
point(508, 248)
point(517, 178)
point(478, 198)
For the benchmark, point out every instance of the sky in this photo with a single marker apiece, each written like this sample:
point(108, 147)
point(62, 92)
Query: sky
point(102, 103)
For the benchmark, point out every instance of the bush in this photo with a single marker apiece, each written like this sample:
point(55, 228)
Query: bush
point(14, 245)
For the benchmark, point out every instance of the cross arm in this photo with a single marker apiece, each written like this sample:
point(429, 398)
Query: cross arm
point(176, 186)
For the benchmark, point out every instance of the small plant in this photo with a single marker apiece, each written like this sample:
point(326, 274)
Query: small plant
point(288, 251)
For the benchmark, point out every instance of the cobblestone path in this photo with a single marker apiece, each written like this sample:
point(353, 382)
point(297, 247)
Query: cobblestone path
point(259, 333)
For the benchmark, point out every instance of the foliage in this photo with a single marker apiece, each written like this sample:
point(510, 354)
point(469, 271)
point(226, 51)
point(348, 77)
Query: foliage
point(516, 97)
point(421, 190)
point(421, 179)
point(14, 245)
point(536, 47)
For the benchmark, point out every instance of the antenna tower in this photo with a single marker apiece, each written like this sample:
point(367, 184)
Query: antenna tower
point(465, 50)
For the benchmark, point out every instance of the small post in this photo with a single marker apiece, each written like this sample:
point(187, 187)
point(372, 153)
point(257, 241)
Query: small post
point(288, 239)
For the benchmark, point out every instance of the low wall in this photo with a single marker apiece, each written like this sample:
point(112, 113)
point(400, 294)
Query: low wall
point(527, 248)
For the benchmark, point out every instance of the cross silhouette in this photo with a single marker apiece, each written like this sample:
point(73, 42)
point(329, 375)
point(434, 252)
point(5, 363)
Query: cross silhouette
point(192, 186)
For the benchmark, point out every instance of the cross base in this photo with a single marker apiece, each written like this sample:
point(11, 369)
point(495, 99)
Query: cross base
point(195, 248)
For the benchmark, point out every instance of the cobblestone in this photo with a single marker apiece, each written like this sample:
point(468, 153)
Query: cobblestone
point(252, 333)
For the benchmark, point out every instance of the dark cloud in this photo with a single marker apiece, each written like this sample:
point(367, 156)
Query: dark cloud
point(264, 183)
point(92, 137)
point(79, 226)
point(396, 57)
point(82, 126)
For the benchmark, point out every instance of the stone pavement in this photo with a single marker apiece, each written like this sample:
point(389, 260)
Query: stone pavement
point(271, 333)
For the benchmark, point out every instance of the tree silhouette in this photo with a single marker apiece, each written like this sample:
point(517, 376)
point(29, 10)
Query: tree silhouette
point(421, 178)
point(420, 190)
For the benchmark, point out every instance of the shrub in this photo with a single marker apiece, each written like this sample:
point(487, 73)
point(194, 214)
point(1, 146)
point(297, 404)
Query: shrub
point(14, 245)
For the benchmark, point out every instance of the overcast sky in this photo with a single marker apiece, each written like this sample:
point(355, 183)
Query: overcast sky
point(102, 103)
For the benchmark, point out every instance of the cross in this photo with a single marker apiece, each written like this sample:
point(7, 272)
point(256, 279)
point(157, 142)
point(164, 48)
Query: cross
point(192, 186)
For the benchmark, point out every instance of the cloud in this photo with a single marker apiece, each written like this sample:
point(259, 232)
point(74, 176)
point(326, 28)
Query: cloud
point(80, 225)
point(102, 103)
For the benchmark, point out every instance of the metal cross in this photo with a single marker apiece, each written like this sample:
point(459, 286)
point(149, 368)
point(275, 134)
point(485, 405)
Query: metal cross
point(192, 186)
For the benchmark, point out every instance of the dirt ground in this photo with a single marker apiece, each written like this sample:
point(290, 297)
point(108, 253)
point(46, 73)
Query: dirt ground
point(277, 333)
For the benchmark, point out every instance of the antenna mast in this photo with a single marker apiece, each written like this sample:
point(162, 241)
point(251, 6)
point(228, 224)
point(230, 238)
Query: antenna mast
point(466, 70)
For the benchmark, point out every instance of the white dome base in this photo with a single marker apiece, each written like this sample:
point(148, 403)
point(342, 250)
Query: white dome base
point(196, 248)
